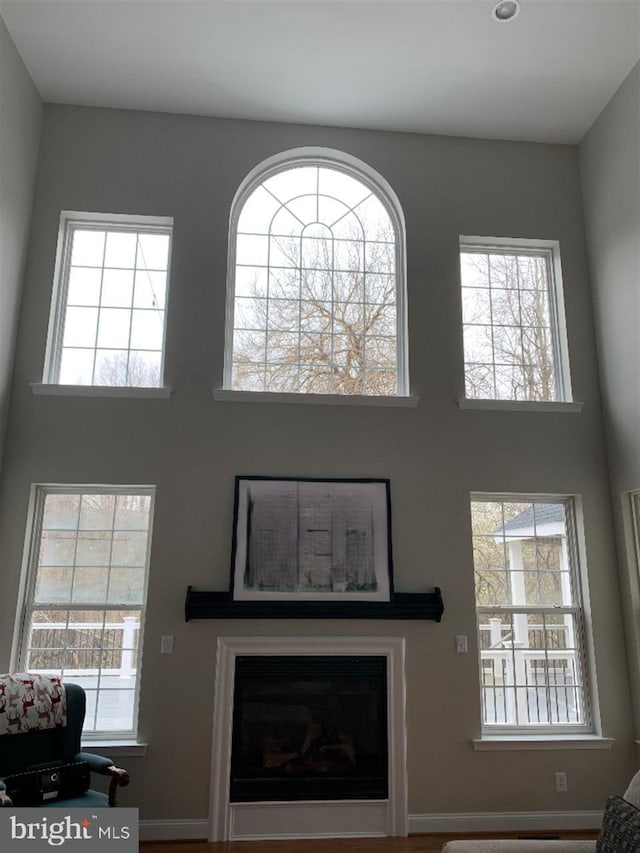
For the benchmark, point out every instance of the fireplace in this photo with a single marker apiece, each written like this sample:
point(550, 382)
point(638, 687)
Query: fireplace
point(309, 728)
point(309, 738)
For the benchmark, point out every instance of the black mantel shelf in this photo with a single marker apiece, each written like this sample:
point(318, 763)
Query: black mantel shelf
point(203, 604)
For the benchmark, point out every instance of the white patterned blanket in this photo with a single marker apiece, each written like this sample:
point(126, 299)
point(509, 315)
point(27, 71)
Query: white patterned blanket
point(30, 702)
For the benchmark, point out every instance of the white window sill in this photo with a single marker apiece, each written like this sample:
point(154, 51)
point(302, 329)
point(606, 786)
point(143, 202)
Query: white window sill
point(115, 747)
point(229, 396)
point(51, 390)
point(519, 405)
point(498, 743)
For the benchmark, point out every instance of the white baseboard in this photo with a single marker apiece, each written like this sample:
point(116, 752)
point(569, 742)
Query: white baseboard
point(504, 821)
point(173, 830)
point(176, 830)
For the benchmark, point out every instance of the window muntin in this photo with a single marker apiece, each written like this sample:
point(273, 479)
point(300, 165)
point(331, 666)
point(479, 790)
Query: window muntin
point(316, 279)
point(108, 321)
point(528, 605)
point(86, 596)
point(514, 345)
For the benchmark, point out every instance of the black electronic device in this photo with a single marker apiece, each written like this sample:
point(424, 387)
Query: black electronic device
point(42, 783)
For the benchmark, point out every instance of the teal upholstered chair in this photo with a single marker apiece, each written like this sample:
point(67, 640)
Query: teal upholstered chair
point(20, 752)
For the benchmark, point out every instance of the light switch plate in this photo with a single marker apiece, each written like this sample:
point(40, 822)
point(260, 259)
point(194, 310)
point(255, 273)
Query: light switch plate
point(462, 646)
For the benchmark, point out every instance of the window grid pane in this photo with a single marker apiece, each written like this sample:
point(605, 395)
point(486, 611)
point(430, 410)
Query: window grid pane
point(113, 318)
point(529, 618)
point(316, 271)
point(510, 343)
point(88, 586)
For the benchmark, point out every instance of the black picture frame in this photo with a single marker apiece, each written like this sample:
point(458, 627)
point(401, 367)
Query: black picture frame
point(310, 539)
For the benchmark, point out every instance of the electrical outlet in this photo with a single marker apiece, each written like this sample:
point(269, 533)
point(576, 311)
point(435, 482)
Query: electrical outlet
point(561, 781)
point(462, 646)
point(166, 644)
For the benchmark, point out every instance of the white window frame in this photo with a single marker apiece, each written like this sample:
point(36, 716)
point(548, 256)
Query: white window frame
point(339, 161)
point(575, 559)
point(39, 492)
point(69, 221)
point(550, 250)
point(634, 528)
point(631, 525)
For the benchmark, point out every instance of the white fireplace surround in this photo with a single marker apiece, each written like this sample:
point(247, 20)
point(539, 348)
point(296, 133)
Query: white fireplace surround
point(336, 818)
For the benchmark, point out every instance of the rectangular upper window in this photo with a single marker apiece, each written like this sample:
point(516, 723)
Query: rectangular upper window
point(513, 320)
point(530, 617)
point(108, 312)
point(86, 591)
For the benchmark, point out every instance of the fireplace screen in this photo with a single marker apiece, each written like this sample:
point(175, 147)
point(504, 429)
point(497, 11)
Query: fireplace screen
point(309, 728)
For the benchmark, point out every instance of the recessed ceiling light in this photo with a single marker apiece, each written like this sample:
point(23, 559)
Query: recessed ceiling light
point(505, 10)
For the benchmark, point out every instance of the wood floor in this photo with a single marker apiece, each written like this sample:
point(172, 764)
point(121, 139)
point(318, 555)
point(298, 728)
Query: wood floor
point(412, 844)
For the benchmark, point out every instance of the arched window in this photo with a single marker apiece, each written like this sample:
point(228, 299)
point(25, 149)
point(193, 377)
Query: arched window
point(316, 279)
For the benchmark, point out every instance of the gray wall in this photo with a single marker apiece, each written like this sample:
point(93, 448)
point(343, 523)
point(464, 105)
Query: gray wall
point(610, 171)
point(191, 446)
point(20, 122)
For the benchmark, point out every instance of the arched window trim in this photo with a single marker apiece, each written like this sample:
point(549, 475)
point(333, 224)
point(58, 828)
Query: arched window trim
point(355, 168)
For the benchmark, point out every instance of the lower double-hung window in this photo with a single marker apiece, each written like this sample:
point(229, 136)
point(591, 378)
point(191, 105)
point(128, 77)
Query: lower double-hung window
point(529, 613)
point(86, 594)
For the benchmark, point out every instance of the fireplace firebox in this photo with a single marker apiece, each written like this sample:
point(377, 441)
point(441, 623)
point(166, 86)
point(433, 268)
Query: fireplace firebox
point(309, 728)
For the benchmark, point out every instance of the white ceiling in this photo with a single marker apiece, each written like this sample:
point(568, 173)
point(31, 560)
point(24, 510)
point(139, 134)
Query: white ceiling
point(435, 66)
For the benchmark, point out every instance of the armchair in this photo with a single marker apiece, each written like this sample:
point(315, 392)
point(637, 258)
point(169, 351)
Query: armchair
point(20, 752)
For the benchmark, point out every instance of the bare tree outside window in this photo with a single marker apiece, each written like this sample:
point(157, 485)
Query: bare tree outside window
point(315, 308)
point(509, 341)
point(133, 370)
